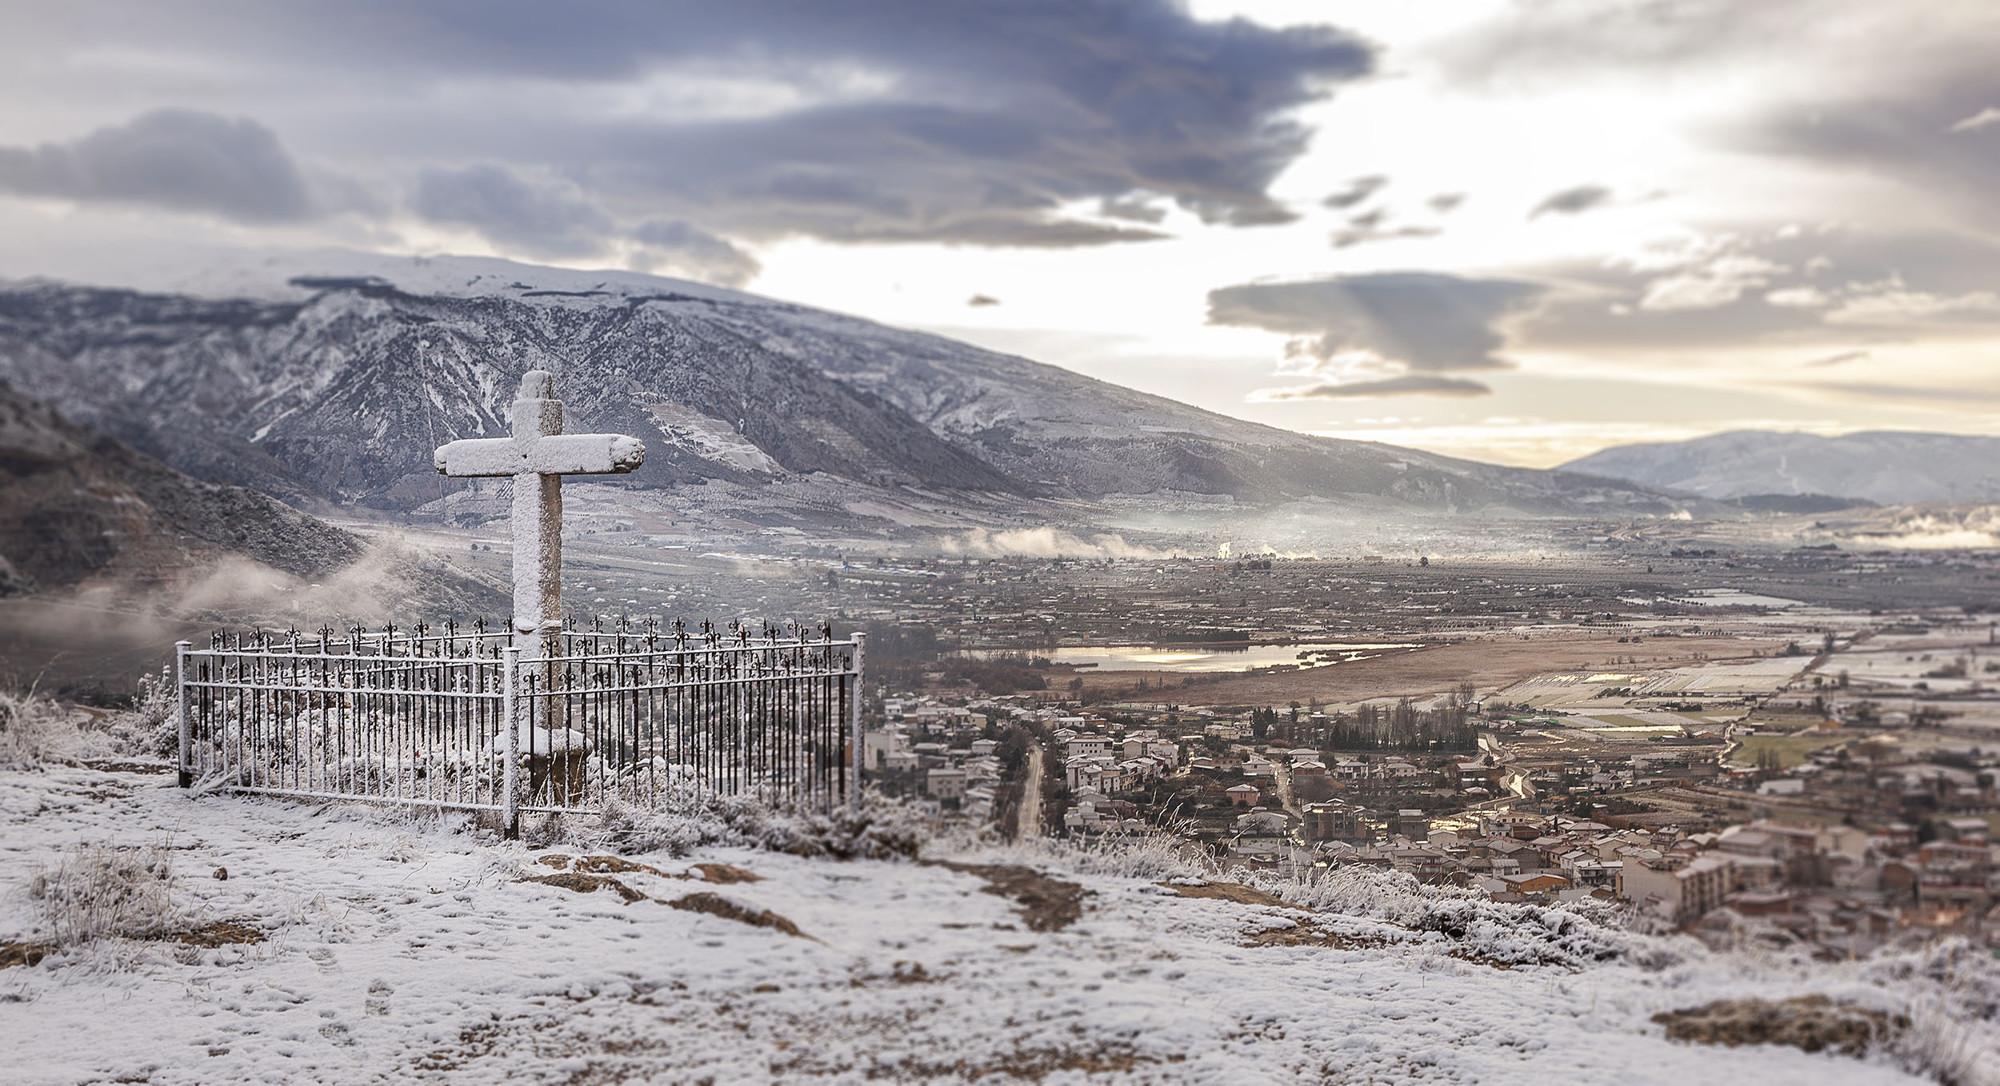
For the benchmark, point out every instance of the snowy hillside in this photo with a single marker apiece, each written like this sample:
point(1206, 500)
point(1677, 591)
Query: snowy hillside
point(350, 944)
point(1887, 467)
point(333, 376)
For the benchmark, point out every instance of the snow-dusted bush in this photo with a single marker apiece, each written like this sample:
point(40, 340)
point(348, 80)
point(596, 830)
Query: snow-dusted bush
point(102, 892)
point(1951, 992)
point(35, 731)
point(1476, 926)
point(879, 829)
point(1153, 855)
point(153, 722)
point(1510, 933)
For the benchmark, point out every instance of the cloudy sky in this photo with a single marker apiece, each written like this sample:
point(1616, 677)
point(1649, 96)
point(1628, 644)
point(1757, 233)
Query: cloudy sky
point(1512, 229)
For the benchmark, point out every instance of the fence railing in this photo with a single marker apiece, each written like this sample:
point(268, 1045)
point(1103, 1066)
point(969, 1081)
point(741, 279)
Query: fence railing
point(461, 718)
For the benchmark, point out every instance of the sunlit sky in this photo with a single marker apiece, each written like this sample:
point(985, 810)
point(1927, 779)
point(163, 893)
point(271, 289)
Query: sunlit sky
point(1516, 230)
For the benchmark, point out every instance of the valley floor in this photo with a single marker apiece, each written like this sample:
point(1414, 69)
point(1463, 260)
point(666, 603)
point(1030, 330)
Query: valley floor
point(399, 949)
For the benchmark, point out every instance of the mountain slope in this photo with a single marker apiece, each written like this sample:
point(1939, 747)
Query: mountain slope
point(337, 385)
point(79, 510)
point(1882, 466)
point(76, 506)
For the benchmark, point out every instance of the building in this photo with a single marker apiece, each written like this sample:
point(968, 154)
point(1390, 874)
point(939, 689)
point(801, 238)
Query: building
point(1683, 893)
point(945, 783)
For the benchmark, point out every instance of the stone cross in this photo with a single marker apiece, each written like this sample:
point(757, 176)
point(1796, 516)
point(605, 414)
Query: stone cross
point(537, 456)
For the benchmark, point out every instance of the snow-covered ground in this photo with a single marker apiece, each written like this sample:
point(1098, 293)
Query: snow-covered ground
point(409, 949)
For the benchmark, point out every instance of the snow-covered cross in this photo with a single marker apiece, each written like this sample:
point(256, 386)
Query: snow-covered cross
point(537, 456)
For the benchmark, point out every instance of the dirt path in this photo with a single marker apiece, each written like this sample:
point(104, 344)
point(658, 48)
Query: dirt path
point(1029, 818)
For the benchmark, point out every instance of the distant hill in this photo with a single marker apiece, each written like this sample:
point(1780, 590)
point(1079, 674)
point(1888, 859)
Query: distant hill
point(333, 379)
point(81, 510)
point(1885, 467)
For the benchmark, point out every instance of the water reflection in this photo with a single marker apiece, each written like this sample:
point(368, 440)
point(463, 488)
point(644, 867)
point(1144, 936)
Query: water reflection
point(1218, 657)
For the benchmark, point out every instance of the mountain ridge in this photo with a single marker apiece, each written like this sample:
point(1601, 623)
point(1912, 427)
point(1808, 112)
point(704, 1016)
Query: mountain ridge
point(1889, 467)
point(335, 386)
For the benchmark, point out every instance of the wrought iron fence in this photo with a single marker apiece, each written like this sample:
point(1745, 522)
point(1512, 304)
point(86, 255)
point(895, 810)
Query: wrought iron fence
point(459, 718)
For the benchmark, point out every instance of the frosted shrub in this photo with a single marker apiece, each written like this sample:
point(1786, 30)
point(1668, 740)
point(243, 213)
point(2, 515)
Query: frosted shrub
point(1952, 1007)
point(1564, 934)
point(1154, 854)
point(35, 731)
point(101, 892)
point(1514, 934)
point(689, 819)
point(154, 721)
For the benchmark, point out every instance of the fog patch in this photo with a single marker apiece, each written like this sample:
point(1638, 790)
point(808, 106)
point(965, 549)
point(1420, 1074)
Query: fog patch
point(1045, 542)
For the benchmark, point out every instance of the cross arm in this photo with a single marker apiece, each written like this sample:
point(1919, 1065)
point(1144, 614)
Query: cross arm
point(557, 454)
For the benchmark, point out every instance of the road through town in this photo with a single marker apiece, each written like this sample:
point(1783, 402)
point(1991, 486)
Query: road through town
point(1030, 814)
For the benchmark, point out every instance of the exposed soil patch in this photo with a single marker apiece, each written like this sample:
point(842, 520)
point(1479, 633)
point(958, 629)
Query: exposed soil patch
point(587, 884)
point(1231, 891)
point(129, 767)
point(1813, 1023)
point(616, 865)
point(1045, 904)
point(1306, 934)
point(1032, 1065)
point(222, 933)
point(901, 973)
point(717, 905)
point(720, 874)
point(12, 954)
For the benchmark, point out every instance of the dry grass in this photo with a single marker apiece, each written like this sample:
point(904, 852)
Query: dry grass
point(102, 892)
point(1946, 1045)
point(35, 731)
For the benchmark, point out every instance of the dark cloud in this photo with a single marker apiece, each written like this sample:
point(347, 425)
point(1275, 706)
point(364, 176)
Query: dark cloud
point(1427, 322)
point(979, 300)
point(1841, 359)
point(1572, 201)
point(1444, 203)
point(1132, 209)
point(177, 159)
point(540, 220)
point(1929, 135)
point(676, 246)
point(1409, 384)
point(1353, 236)
point(1357, 191)
point(976, 121)
point(555, 220)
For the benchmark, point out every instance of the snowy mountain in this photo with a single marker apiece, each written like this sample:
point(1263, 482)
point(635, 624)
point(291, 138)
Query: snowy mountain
point(1888, 467)
point(103, 546)
point(77, 507)
point(333, 376)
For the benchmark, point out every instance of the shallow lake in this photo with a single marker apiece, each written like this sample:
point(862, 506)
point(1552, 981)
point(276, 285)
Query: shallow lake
point(1216, 657)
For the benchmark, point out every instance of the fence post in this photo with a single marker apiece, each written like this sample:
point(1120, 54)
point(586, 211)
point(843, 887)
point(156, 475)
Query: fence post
point(860, 741)
point(186, 752)
point(510, 709)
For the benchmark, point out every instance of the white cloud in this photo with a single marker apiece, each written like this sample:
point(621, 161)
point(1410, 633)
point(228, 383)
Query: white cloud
point(1799, 298)
point(1989, 115)
point(1897, 306)
point(1719, 283)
